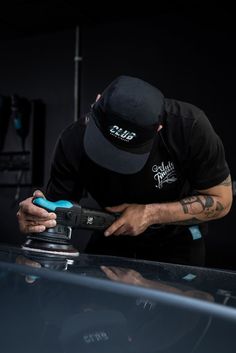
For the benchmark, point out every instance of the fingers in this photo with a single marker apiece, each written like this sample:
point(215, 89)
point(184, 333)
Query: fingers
point(124, 275)
point(109, 273)
point(123, 230)
point(37, 227)
point(119, 208)
point(119, 227)
point(132, 221)
point(38, 193)
point(25, 261)
point(113, 273)
point(32, 218)
point(33, 229)
point(114, 227)
point(27, 207)
point(48, 221)
point(34, 226)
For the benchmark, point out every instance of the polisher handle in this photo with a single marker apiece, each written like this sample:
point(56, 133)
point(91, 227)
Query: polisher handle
point(74, 216)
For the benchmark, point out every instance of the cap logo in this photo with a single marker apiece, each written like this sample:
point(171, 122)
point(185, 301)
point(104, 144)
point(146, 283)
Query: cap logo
point(122, 134)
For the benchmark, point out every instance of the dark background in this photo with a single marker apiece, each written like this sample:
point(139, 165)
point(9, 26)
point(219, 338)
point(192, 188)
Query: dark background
point(186, 50)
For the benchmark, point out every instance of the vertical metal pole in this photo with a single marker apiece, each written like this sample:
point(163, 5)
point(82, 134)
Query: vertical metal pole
point(77, 60)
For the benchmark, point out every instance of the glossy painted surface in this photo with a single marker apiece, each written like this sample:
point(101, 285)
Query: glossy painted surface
point(108, 304)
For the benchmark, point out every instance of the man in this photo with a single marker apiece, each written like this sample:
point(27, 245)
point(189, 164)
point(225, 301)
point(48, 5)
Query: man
point(155, 161)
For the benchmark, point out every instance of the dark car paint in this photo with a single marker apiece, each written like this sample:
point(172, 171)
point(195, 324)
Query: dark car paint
point(110, 304)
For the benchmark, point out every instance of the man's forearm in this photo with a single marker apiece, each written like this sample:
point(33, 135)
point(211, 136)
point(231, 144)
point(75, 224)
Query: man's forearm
point(190, 210)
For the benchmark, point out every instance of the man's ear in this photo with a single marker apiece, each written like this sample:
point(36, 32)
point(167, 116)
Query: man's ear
point(98, 96)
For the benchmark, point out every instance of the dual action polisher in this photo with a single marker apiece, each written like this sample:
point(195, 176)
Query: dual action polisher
point(57, 240)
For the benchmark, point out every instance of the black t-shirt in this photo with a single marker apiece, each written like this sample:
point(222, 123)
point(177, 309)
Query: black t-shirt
point(187, 155)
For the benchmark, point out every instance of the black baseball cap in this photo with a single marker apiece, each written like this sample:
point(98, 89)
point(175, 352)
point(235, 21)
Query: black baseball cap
point(123, 123)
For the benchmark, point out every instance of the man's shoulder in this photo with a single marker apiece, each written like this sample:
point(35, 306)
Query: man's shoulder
point(180, 118)
point(182, 110)
point(73, 131)
point(70, 140)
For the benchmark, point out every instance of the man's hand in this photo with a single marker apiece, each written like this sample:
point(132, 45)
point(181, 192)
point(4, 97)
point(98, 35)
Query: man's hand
point(34, 219)
point(134, 220)
point(124, 275)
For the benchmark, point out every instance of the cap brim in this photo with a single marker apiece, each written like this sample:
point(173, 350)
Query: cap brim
point(108, 156)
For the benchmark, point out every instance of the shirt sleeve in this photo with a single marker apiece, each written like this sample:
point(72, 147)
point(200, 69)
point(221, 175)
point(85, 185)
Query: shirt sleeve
point(65, 182)
point(207, 166)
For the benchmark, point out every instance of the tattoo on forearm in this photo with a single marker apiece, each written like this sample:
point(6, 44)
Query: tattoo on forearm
point(219, 206)
point(190, 202)
point(202, 204)
point(196, 204)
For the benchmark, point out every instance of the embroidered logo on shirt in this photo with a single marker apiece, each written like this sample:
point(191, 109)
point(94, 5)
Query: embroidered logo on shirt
point(164, 174)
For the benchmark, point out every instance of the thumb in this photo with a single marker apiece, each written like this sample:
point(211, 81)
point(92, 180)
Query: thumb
point(119, 208)
point(38, 193)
